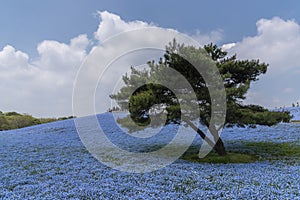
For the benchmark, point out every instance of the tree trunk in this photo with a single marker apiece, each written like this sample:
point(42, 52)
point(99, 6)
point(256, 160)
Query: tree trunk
point(220, 148)
point(218, 145)
point(202, 135)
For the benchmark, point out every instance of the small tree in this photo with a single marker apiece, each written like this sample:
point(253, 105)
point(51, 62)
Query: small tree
point(237, 75)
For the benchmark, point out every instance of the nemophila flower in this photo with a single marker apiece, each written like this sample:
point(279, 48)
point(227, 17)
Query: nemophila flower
point(49, 161)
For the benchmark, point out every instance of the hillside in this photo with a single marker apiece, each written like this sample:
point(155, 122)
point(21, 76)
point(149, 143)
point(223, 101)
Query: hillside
point(49, 161)
point(14, 120)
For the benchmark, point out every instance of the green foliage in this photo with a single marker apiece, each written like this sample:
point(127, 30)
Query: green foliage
point(247, 152)
point(230, 157)
point(14, 120)
point(242, 115)
point(237, 75)
point(3, 123)
point(12, 114)
point(271, 150)
point(146, 96)
point(65, 118)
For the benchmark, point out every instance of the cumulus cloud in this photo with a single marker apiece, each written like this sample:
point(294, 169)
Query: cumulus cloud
point(42, 87)
point(112, 24)
point(276, 40)
point(139, 43)
point(277, 43)
point(10, 58)
point(60, 56)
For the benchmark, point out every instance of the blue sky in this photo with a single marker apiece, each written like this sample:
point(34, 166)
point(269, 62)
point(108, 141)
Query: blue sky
point(33, 31)
point(26, 23)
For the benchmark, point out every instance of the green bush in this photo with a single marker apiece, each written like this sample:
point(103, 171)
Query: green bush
point(14, 120)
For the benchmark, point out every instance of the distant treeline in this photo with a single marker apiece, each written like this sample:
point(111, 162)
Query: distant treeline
point(14, 120)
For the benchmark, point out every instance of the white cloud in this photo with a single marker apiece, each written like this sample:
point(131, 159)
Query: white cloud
point(128, 49)
point(277, 43)
point(42, 87)
point(227, 47)
point(213, 36)
point(59, 56)
point(112, 24)
point(10, 58)
point(80, 42)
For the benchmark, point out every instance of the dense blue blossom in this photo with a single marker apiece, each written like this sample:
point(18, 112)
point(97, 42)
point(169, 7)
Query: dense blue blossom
point(49, 162)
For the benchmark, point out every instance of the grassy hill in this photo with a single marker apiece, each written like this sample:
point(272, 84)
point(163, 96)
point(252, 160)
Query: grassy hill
point(14, 120)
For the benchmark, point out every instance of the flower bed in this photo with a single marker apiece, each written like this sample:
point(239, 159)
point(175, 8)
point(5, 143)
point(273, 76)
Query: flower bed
point(49, 162)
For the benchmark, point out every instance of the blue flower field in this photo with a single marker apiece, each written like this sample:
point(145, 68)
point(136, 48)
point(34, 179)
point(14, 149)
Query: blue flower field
point(49, 162)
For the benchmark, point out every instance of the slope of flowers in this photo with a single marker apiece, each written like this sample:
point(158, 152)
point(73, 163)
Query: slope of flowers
point(49, 162)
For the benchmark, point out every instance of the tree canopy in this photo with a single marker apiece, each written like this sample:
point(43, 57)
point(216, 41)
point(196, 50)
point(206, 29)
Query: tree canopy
point(143, 95)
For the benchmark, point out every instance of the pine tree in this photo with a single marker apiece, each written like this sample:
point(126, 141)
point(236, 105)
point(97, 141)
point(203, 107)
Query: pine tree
point(146, 99)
